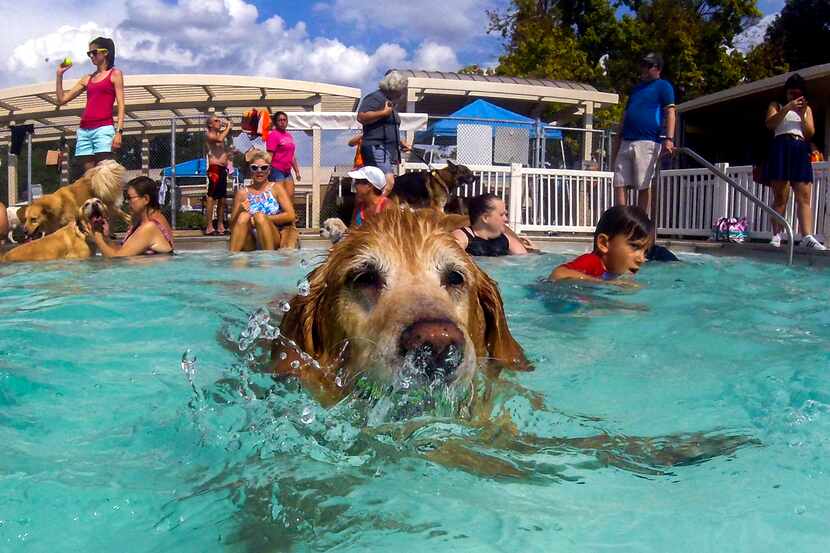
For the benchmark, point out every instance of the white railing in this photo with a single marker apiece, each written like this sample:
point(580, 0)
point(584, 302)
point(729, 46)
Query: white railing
point(690, 200)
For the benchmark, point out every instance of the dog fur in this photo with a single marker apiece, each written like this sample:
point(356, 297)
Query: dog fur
point(51, 212)
point(402, 267)
point(67, 242)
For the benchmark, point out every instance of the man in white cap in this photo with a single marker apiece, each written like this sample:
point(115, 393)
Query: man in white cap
point(368, 183)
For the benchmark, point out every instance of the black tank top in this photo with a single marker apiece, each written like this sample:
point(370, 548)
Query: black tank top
point(489, 247)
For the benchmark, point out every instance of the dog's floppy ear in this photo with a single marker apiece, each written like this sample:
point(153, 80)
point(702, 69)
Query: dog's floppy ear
point(307, 325)
point(21, 214)
point(503, 350)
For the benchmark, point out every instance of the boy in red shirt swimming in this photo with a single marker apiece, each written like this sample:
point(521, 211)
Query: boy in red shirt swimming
point(621, 240)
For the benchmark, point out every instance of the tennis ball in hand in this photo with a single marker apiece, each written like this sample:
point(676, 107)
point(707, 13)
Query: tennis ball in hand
point(67, 61)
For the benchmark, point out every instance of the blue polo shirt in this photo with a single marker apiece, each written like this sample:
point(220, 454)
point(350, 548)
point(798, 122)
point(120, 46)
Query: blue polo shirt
point(644, 119)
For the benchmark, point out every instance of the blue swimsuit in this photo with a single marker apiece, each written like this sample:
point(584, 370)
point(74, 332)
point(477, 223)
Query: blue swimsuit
point(263, 202)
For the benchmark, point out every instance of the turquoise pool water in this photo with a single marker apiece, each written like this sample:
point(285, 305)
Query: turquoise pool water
point(108, 446)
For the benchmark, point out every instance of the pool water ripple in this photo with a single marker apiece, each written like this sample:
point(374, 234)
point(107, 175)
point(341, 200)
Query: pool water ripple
point(110, 442)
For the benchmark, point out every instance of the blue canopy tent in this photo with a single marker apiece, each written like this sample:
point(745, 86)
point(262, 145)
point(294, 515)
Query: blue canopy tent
point(192, 168)
point(482, 112)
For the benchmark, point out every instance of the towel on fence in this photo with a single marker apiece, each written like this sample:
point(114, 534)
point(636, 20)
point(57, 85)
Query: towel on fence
point(243, 143)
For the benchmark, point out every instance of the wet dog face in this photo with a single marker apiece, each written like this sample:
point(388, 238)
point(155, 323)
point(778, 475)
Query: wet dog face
point(398, 301)
point(94, 213)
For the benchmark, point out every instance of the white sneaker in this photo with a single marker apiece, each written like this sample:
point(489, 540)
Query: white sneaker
point(810, 242)
point(776, 240)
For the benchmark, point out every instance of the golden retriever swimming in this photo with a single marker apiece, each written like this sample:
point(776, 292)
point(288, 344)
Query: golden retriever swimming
point(51, 212)
point(399, 304)
point(66, 243)
point(397, 299)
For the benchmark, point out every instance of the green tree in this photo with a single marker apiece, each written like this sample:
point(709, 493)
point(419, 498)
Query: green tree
point(584, 40)
point(800, 35)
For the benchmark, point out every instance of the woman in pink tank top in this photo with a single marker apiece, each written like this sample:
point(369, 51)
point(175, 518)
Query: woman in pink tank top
point(150, 232)
point(98, 135)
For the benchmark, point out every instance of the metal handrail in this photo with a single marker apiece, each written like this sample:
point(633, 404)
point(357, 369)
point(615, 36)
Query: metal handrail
point(752, 197)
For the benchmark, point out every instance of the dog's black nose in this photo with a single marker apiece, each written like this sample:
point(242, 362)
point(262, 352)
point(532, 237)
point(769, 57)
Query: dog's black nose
point(437, 347)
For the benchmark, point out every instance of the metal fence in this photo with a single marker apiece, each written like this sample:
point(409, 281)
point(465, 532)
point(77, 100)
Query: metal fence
point(157, 150)
point(485, 141)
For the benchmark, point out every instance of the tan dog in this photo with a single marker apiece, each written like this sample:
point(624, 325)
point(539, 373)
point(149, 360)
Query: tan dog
point(395, 290)
point(51, 212)
point(66, 243)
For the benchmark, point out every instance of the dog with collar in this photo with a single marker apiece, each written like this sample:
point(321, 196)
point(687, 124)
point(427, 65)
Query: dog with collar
point(432, 189)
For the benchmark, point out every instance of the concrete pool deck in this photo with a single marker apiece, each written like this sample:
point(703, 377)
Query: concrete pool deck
point(193, 240)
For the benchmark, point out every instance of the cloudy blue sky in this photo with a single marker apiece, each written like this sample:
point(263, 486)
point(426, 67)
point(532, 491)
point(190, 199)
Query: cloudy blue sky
point(339, 41)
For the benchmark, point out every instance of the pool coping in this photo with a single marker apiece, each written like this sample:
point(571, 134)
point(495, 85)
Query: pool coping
point(195, 241)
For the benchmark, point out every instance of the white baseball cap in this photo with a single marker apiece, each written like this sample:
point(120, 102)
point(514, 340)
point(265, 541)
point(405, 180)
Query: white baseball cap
point(370, 173)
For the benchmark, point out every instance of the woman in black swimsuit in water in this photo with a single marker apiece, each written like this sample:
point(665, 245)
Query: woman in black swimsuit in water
point(488, 233)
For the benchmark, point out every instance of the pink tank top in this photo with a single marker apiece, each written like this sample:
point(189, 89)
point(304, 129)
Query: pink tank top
point(100, 98)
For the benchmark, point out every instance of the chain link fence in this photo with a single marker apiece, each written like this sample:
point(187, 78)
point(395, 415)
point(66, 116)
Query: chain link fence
point(480, 141)
point(173, 152)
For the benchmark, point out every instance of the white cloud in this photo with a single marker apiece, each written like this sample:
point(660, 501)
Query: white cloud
point(454, 22)
point(437, 57)
point(216, 36)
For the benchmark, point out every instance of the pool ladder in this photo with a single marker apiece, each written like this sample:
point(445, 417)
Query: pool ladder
point(734, 184)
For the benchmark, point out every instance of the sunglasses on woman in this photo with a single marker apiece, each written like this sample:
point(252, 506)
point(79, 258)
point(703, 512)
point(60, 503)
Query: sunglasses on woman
point(92, 53)
point(259, 167)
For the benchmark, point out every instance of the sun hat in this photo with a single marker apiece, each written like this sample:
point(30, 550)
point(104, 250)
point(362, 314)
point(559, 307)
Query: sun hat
point(372, 174)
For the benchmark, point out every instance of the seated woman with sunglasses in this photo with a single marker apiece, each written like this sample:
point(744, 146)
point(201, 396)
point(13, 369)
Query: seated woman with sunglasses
point(263, 207)
point(150, 232)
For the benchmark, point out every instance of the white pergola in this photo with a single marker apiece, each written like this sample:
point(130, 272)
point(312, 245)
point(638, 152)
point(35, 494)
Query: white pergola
point(152, 101)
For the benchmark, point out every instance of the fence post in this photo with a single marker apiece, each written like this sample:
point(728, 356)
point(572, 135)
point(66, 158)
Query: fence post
point(173, 173)
point(12, 176)
point(720, 202)
point(515, 208)
point(29, 167)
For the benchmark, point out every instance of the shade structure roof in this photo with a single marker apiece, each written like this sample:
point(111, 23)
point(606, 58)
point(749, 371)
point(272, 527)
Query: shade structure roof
point(441, 93)
point(482, 112)
point(152, 100)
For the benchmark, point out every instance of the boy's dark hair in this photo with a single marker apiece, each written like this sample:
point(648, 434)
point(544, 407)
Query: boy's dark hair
point(479, 205)
point(103, 42)
point(628, 220)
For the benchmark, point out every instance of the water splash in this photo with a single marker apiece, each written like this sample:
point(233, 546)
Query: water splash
point(303, 287)
point(285, 307)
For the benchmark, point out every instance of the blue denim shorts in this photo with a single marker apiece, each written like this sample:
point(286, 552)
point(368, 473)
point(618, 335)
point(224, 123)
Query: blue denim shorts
point(276, 175)
point(94, 141)
point(379, 156)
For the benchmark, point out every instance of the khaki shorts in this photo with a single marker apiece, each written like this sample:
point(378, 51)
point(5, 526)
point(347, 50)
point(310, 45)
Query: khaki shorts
point(635, 163)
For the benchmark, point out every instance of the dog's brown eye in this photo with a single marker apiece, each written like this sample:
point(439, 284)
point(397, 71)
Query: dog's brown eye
point(452, 278)
point(366, 278)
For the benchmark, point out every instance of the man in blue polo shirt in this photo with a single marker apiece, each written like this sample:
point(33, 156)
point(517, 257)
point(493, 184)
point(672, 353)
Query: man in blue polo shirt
point(648, 126)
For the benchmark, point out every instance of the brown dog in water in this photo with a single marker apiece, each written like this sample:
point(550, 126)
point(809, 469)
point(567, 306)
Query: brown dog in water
point(399, 285)
point(68, 242)
point(51, 212)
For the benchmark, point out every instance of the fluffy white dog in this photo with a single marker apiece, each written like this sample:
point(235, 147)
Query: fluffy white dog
point(334, 229)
